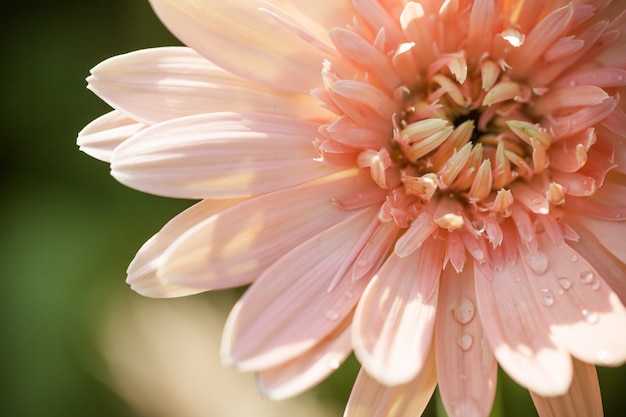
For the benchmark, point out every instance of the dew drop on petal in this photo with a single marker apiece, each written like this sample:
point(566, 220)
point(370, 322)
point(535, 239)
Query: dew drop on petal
point(463, 377)
point(547, 300)
point(596, 285)
point(574, 258)
point(586, 276)
point(465, 310)
point(348, 294)
point(590, 317)
point(465, 341)
point(538, 262)
point(565, 283)
point(331, 315)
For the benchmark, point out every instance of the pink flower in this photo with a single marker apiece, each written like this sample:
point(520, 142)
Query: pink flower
point(438, 185)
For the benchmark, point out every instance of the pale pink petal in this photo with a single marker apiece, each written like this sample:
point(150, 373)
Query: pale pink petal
point(581, 400)
point(100, 137)
point(610, 269)
point(240, 38)
point(518, 334)
point(609, 233)
point(142, 271)
point(154, 85)
point(581, 309)
point(327, 13)
point(372, 399)
point(394, 321)
point(303, 372)
point(268, 326)
point(466, 367)
point(234, 247)
point(220, 155)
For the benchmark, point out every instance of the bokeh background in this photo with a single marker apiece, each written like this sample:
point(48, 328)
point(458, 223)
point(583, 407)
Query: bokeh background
point(74, 339)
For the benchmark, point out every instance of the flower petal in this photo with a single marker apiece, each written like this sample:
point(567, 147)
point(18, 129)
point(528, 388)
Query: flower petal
point(395, 317)
point(581, 309)
point(142, 271)
point(100, 138)
point(581, 400)
point(518, 333)
point(235, 246)
point(241, 39)
point(268, 326)
point(158, 84)
point(370, 398)
point(301, 373)
point(220, 155)
point(466, 368)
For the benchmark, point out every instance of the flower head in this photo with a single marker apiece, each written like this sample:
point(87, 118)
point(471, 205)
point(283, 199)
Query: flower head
point(437, 185)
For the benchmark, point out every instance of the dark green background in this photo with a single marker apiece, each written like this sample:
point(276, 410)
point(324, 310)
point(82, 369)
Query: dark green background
point(69, 230)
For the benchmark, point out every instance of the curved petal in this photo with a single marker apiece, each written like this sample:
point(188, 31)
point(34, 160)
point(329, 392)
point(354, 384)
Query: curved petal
point(142, 271)
point(290, 308)
point(220, 155)
point(394, 320)
point(244, 41)
point(581, 400)
point(159, 84)
point(609, 233)
point(466, 368)
point(100, 137)
point(581, 309)
point(303, 372)
point(326, 13)
point(234, 247)
point(518, 333)
point(373, 399)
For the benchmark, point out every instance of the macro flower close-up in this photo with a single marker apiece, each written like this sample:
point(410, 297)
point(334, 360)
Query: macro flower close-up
point(436, 186)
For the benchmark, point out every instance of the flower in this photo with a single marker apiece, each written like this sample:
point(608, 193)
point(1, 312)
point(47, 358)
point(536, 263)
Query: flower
point(436, 185)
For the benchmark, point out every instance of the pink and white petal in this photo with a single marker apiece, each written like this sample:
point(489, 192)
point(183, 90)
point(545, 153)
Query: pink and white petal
point(466, 367)
point(220, 155)
point(142, 271)
point(313, 366)
point(581, 309)
point(610, 269)
point(240, 38)
point(326, 13)
point(235, 246)
point(373, 399)
point(581, 400)
point(159, 84)
point(100, 137)
point(394, 320)
point(609, 233)
point(269, 326)
point(518, 334)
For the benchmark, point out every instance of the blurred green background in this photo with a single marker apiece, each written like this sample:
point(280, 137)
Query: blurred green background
point(69, 230)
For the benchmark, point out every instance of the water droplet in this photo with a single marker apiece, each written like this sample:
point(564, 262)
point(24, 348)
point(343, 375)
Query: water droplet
point(586, 277)
point(590, 317)
point(596, 285)
point(547, 300)
point(478, 254)
point(620, 78)
point(573, 258)
point(465, 310)
point(538, 262)
point(465, 341)
point(544, 290)
point(560, 291)
point(571, 82)
point(565, 283)
point(331, 315)
point(348, 294)
point(463, 377)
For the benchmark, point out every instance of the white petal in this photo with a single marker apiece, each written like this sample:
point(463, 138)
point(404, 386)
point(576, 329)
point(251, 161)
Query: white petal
point(394, 321)
point(220, 155)
point(289, 308)
point(100, 137)
point(241, 39)
point(158, 84)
